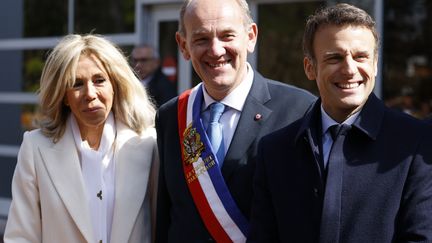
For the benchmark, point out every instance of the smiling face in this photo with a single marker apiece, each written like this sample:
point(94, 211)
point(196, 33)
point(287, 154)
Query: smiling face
point(217, 42)
point(91, 97)
point(344, 69)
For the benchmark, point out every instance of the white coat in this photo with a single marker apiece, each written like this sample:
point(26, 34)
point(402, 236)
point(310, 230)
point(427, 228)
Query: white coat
point(49, 197)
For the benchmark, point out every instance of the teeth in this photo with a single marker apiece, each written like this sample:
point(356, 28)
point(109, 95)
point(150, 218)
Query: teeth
point(348, 85)
point(218, 65)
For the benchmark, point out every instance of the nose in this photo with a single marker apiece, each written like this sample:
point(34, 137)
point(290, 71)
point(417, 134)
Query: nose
point(349, 66)
point(217, 48)
point(90, 91)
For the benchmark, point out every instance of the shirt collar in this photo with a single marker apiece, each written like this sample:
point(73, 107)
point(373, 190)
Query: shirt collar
point(327, 121)
point(237, 98)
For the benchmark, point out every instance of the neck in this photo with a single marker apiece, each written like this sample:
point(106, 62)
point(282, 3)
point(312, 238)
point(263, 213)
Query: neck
point(92, 136)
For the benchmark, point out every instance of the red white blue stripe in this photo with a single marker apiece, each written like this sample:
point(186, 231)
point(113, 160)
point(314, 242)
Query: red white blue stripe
point(211, 195)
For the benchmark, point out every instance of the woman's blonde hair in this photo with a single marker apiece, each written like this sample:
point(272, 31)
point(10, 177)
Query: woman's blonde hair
point(131, 104)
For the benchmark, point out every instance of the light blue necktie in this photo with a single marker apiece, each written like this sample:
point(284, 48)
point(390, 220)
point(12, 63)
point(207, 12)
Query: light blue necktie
point(214, 131)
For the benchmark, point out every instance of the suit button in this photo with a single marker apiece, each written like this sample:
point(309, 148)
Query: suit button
point(316, 192)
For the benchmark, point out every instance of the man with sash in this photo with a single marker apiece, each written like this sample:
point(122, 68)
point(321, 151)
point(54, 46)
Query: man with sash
point(351, 170)
point(205, 184)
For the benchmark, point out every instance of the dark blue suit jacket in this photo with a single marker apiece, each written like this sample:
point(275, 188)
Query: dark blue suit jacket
point(386, 191)
point(160, 88)
point(177, 217)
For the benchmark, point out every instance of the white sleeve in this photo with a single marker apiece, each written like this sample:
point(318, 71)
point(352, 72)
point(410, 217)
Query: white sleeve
point(24, 219)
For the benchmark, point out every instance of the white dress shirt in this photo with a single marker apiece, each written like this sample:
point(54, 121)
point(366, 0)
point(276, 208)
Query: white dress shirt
point(98, 170)
point(233, 102)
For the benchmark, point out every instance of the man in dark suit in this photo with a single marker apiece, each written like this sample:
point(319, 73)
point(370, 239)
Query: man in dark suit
point(205, 195)
point(146, 63)
point(370, 183)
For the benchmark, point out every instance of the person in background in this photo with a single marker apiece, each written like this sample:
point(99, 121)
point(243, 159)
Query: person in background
point(351, 170)
point(208, 136)
point(146, 63)
point(87, 174)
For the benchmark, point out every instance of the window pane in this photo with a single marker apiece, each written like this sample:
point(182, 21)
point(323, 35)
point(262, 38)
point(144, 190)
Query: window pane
point(407, 58)
point(168, 49)
point(32, 68)
point(7, 168)
point(280, 33)
point(104, 16)
point(33, 63)
point(45, 18)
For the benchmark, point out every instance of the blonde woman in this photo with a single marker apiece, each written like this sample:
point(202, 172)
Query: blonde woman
point(87, 174)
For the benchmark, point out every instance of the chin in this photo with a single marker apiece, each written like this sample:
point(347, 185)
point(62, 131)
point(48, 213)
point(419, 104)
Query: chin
point(355, 100)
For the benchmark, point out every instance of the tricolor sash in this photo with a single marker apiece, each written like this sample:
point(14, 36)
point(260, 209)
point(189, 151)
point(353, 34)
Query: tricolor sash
point(211, 196)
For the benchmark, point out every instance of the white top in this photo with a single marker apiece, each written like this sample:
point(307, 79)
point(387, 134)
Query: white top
point(327, 141)
point(98, 170)
point(233, 102)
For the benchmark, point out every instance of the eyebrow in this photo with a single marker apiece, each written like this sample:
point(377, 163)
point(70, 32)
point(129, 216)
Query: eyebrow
point(344, 53)
point(201, 31)
point(334, 54)
point(99, 74)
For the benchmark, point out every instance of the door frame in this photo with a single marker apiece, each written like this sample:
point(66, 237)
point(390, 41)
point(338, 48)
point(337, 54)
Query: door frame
point(151, 13)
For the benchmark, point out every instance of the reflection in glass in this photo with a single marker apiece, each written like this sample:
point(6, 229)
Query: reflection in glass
point(168, 49)
point(44, 18)
point(407, 59)
point(32, 69)
point(104, 16)
point(280, 54)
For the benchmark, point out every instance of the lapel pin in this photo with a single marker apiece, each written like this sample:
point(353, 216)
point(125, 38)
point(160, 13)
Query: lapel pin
point(257, 117)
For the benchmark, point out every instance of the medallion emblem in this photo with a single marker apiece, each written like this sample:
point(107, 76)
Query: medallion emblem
point(192, 145)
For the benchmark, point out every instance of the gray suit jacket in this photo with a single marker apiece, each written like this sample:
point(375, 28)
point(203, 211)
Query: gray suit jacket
point(177, 217)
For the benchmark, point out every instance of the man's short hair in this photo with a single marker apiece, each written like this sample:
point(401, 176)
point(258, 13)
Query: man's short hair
point(340, 15)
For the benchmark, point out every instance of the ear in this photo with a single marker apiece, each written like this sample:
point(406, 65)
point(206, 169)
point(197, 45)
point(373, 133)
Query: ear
point(309, 68)
point(181, 42)
point(252, 37)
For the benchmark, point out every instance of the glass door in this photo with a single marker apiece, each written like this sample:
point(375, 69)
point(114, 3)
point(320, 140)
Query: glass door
point(165, 25)
point(281, 27)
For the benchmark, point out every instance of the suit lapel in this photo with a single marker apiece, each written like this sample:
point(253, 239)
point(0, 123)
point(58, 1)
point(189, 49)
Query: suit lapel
point(133, 161)
point(310, 130)
point(63, 166)
point(248, 127)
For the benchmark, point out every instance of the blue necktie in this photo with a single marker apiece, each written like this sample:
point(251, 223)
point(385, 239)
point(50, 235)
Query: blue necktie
point(331, 212)
point(214, 131)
